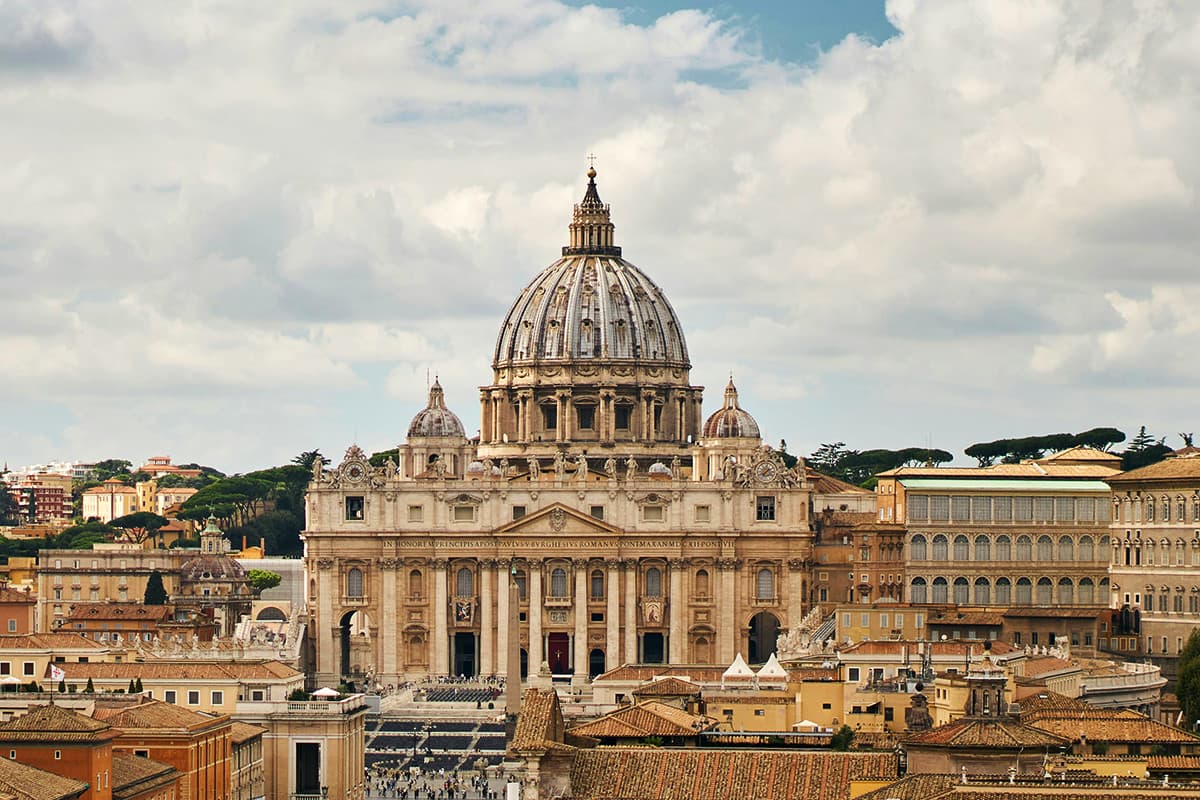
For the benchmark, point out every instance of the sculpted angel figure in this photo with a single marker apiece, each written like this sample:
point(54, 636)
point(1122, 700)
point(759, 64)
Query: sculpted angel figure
point(560, 465)
point(535, 469)
point(630, 469)
point(610, 468)
point(581, 468)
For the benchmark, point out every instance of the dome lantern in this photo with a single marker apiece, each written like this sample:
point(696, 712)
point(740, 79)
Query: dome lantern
point(591, 226)
point(731, 421)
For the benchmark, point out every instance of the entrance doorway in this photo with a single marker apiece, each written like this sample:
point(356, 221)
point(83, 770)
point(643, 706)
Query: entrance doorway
point(595, 663)
point(308, 768)
point(464, 654)
point(524, 663)
point(558, 648)
point(653, 648)
point(764, 628)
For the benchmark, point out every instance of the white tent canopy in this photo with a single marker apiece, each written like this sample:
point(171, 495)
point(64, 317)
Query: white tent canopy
point(772, 671)
point(738, 671)
point(325, 691)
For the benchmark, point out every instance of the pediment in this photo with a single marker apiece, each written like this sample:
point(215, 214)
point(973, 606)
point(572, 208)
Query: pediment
point(558, 518)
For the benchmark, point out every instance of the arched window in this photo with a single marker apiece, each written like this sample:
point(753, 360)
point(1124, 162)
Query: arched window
point(522, 580)
point(1024, 591)
point(1003, 591)
point(653, 582)
point(1177, 605)
point(558, 582)
point(1087, 592)
point(918, 548)
point(1087, 551)
point(983, 548)
point(1166, 509)
point(983, 591)
point(1149, 513)
point(702, 583)
point(1003, 548)
point(1066, 592)
point(1179, 509)
point(961, 590)
point(1045, 548)
point(1044, 590)
point(464, 583)
point(1179, 548)
point(940, 590)
point(918, 591)
point(766, 585)
point(940, 548)
point(1024, 548)
point(354, 582)
point(1066, 549)
point(962, 548)
point(414, 583)
point(597, 584)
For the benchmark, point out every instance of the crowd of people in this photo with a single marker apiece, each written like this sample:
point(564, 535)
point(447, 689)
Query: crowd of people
point(416, 783)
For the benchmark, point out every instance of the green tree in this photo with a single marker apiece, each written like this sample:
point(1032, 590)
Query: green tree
point(380, 458)
point(262, 579)
point(82, 536)
point(111, 467)
point(830, 458)
point(1144, 450)
point(9, 507)
point(842, 739)
point(140, 525)
point(1187, 686)
point(156, 594)
point(307, 458)
point(137, 685)
point(90, 688)
point(132, 686)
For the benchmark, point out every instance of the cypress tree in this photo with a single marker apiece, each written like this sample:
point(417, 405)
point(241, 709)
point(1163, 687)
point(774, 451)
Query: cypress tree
point(156, 595)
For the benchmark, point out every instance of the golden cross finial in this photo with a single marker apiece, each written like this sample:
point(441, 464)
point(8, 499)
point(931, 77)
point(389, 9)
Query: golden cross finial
point(591, 159)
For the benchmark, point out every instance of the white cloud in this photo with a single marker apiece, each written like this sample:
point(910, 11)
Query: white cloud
point(312, 205)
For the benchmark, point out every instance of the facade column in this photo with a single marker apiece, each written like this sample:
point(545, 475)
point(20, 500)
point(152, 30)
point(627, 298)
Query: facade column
point(676, 609)
point(502, 612)
point(327, 646)
point(726, 630)
point(487, 625)
point(485, 418)
point(580, 677)
point(797, 603)
point(535, 617)
point(390, 621)
point(632, 654)
point(441, 633)
point(612, 616)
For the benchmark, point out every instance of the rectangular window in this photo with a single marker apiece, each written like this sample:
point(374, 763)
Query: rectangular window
point(883, 620)
point(622, 416)
point(587, 417)
point(355, 507)
point(1023, 509)
point(918, 507)
point(899, 620)
point(416, 513)
point(846, 620)
point(27, 668)
point(864, 620)
point(12, 626)
point(920, 623)
point(169, 696)
point(1002, 509)
point(142, 753)
point(765, 509)
point(550, 417)
point(518, 512)
point(597, 512)
point(652, 513)
point(960, 508)
point(464, 513)
point(1064, 509)
point(981, 509)
point(824, 593)
point(193, 698)
point(939, 508)
point(597, 616)
point(218, 698)
point(5, 668)
point(1043, 510)
point(703, 513)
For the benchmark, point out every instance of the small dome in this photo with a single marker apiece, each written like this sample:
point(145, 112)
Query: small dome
point(475, 469)
point(659, 468)
point(731, 421)
point(435, 419)
point(211, 568)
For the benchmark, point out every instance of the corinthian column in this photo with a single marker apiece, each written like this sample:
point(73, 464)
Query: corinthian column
point(726, 631)
point(502, 612)
point(580, 675)
point(631, 641)
point(487, 625)
point(441, 607)
point(535, 617)
point(677, 607)
point(389, 622)
point(325, 622)
point(612, 615)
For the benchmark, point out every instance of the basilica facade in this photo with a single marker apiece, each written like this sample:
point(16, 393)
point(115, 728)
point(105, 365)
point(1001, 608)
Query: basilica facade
point(636, 529)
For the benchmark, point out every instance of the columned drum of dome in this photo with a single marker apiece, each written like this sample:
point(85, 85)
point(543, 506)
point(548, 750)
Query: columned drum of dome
point(590, 351)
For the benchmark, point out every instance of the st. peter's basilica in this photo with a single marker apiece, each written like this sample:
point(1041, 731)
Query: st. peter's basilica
point(637, 530)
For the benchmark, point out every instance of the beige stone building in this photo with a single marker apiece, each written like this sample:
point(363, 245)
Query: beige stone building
point(637, 530)
point(1156, 558)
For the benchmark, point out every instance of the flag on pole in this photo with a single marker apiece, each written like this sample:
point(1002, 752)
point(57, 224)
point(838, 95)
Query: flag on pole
point(56, 673)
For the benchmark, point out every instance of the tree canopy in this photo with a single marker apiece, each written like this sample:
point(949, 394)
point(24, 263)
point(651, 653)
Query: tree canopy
point(1013, 451)
point(140, 525)
point(1144, 450)
point(263, 579)
point(9, 507)
point(1187, 687)
point(156, 593)
point(838, 461)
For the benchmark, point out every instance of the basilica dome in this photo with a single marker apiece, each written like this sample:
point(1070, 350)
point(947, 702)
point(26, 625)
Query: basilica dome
point(435, 420)
point(591, 304)
point(731, 421)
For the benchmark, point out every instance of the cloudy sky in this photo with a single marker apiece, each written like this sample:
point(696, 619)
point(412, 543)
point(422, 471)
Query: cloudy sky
point(233, 231)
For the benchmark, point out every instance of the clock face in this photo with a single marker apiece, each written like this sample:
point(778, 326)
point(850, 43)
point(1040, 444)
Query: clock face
point(765, 472)
point(355, 472)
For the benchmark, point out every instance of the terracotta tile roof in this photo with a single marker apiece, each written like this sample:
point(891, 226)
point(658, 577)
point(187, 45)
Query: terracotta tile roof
point(1185, 467)
point(158, 715)
point(814, 674)
point(54, 723)
point(1045, 665)
point(667, 687)
point(979, 618)
point(915, 787)
point(11, 595)
point(950, 647)
point(243, 732)
point(118, 611)
point(644, 672)
point(605, 773)
point(1102, 725)
point(48, 641)
point(539, 723)
point(132, 776)
point(827, 484)
point(191, 670)
point(30, 783)
point(1026, 469)
point(648, 718)
point(1050, 702)
point(1173, 763)
point(1081, 453)
point(875, 740)
point(997, 733)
